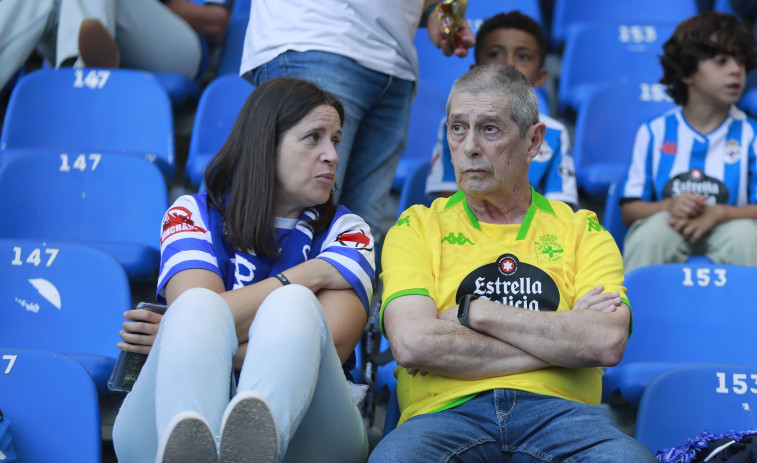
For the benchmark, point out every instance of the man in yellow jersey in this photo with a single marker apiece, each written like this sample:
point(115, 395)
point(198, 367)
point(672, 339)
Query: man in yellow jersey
point(501, 305)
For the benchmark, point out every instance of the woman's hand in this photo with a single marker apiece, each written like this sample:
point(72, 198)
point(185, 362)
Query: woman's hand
point(139, 331)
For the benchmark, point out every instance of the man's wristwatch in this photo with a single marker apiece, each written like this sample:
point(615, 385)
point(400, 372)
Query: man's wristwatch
point(463, 308)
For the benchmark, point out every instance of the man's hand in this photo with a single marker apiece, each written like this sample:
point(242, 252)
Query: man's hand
point(464, 38)
point(595, 299)
point(687, 206)
point(139, 332)
point(694, 228)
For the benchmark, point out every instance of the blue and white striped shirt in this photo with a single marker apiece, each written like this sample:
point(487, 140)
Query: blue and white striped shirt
point(670, 157)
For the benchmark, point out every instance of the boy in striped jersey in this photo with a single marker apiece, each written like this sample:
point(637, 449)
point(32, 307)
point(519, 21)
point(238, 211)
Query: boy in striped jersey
point(691, 186)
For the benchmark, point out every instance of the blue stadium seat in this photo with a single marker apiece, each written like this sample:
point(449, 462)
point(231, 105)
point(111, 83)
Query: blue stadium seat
point(393, 413)
point(599, 54)
point(63, 297)
point(605, 131)
point(480, 10)
point(684, 314)
point(240, 8)
point(680, 404)
point(216, 112)
point(568, 13)
point(112, 201)
point(91, 111)
point(612, 220)
point(414, 188)
point(748, 102)
point(231, 50)
point(52, 405)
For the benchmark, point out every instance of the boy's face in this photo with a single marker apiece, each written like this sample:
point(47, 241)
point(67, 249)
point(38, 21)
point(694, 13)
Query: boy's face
point(718, 81)
point(516, 48)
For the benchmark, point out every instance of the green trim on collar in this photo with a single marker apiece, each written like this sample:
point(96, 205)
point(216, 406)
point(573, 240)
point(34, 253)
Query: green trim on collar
point(454, 199)
point(541, 202)
point(460, 197)
point(523, 230)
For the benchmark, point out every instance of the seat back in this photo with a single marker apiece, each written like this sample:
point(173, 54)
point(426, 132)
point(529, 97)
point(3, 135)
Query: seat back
point(414, 189)
point(680, 404)
point(481, 10)
point(92, 111)
point(606, 129)
point(629, 54)
point(52, 405)
point(233, 44)
point(692, 312)
point(569, 13)
point(62, 297)
point(217, 110)
point(613, 220)
point(112, 201)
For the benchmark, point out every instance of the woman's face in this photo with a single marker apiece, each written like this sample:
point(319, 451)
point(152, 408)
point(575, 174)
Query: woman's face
point(306, 162)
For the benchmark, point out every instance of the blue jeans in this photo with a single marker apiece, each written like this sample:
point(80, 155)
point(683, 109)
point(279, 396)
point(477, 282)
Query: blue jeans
point(508, 425)
point(291, 360)
point(377, 109)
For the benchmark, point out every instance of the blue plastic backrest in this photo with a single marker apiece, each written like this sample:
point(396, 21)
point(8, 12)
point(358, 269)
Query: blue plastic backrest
point(61, 296)
point(692, 312)
point(607, 123)
point(414, 189)
point(91, 110)
point(216, 113)
point(480, 10)
point(233, 44)
point(568, 13)
point(52, 405)
point(112, 201)
point(613, 220)
point(600, 54)
point(682, 403)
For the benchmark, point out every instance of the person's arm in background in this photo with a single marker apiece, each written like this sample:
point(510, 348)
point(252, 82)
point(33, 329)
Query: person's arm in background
point(209, 19)
point(465, 36)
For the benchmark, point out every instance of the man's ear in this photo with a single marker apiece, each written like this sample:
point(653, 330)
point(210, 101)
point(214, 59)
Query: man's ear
point(534, 136)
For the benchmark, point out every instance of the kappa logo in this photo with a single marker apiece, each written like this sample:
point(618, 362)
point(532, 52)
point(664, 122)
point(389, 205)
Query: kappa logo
point(403, 221)
point(595, 226)
point(669, 147)
point(460, 239)
point(355, 239)
point(178, 219)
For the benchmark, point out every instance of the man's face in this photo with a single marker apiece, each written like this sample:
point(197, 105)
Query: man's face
point(487, 151)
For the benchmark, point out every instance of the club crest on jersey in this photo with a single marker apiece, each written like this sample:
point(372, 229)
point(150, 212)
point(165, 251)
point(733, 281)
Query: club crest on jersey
point(732, 152)
point(355, 239)
point(548, 249)
point(512, 282)
point(545, 152)
point(178, 219)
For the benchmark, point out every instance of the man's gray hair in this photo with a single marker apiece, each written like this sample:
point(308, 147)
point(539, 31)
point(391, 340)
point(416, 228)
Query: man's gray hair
point(506, 81)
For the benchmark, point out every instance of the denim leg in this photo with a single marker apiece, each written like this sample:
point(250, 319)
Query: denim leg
point(466, 433)
point(189, 368)
point(377, 108)
point(549, 429)
point(292, 362)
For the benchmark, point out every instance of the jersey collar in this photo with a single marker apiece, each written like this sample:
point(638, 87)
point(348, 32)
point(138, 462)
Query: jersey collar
point(537, 202)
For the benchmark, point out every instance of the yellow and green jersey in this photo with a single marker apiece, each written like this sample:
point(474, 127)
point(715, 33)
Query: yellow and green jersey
point(544, 264)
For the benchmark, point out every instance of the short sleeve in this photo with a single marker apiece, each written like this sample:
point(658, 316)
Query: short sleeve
point(185, 241)
point(406, 258)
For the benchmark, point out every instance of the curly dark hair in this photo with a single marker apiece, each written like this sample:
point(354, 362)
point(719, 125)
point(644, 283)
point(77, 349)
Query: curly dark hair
point(699, 38)
point(512, 20)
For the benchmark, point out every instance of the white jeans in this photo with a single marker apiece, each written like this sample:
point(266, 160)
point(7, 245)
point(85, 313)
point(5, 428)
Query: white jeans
point(291, 361)
point(150, 37)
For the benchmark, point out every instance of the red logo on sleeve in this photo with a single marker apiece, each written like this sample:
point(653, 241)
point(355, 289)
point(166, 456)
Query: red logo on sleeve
point(177, 220)
point(356, 239)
